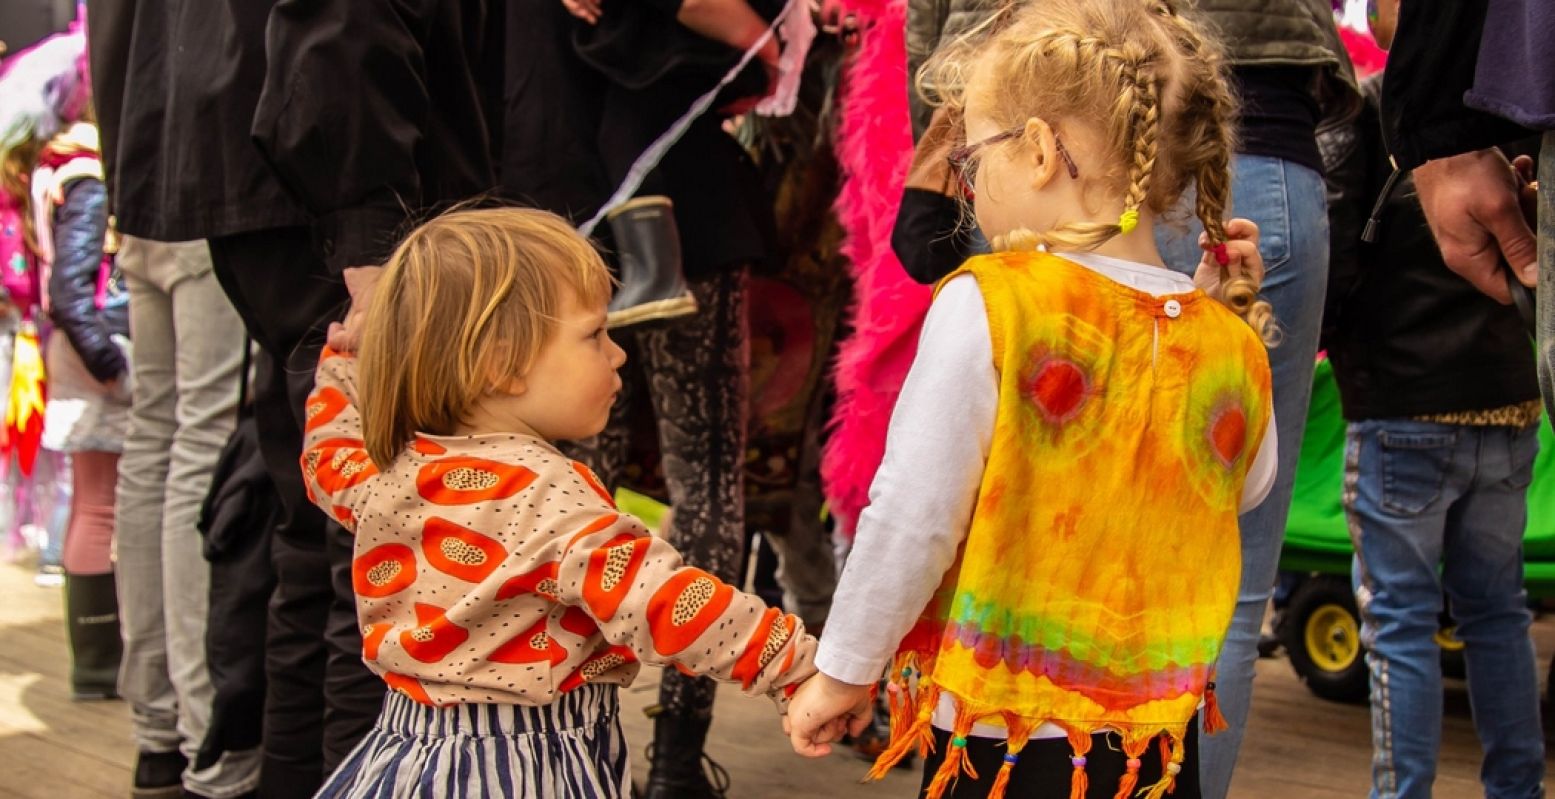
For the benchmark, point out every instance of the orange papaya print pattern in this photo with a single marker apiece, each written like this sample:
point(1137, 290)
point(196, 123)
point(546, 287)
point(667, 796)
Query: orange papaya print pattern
point(494, 569)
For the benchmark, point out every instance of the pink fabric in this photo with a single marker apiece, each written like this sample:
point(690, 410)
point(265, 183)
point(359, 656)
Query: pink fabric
point(1367, 57)
point(874, 149)
point(89, 538)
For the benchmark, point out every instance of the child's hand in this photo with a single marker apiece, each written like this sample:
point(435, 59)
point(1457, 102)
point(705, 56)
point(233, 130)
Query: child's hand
point(822, 709)
point(1242, 259)
point(360, 282)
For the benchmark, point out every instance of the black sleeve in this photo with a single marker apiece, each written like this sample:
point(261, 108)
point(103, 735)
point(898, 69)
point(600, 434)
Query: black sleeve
point(1430, 68)
point(1348, 165)
point(929, 237)
point(344, 108)
point(80, 225)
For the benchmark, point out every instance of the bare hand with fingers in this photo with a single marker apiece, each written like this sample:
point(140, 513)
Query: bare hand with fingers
point(587, 10)
point(360, 282)
point(823, 710)
point(1241, 259)
point(1474, 205)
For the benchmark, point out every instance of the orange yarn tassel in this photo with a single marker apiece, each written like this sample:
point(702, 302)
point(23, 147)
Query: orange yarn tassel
point(1171, 767)
point(956, 761)
point(1079, 781)
point(1019, 733)
point(1213, 721)
point(1130, 779)
point(1001, 781)
point(906, 736)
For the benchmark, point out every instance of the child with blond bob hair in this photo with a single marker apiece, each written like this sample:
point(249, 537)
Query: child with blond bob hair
point(502, 596)
point(1050, 556)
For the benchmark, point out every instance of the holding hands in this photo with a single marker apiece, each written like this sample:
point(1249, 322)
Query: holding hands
point(822, 710)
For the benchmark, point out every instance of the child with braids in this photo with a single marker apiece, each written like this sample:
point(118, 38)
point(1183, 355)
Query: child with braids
point(1050, 558)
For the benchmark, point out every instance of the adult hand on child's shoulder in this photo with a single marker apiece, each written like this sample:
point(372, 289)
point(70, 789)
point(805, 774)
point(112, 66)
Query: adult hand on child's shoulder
point(360, 283)
point(822, 710)
point(1242, 258)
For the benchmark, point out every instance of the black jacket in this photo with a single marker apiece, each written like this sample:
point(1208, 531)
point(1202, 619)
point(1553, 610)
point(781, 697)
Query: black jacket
point(1406, 335)
point(1430, 68)
point(376, 112)
point(175, 83)
point(80, 227)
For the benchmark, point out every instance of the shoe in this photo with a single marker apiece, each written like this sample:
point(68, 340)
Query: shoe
point(159, 775)
point(49, 576)
point(680, 769)
point(193, 795)
point(1268, 645)
point(92, 621)
point(653, 284)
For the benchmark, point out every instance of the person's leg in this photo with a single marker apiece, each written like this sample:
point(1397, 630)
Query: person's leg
point(1288, 204)
point(91, 605)
point(208, 355)
point(143, 676)
point(807, 558)
point(1402, 479)
point(1545, 299)
point(1483, 574)
point(698, 373)
point(320, 697)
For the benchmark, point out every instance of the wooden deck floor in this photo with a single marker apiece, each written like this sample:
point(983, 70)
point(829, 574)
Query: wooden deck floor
point(1297, 746)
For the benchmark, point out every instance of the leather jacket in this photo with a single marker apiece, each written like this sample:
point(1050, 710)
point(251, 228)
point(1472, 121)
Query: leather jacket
point(1407, 337)
point(80, 228)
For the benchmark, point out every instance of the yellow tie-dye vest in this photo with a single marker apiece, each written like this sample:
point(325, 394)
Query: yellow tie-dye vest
point(1099, 575)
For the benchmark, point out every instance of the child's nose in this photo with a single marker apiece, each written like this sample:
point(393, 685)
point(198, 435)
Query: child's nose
point(617, 355)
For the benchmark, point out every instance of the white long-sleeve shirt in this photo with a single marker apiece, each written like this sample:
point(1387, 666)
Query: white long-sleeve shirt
point(916, 519)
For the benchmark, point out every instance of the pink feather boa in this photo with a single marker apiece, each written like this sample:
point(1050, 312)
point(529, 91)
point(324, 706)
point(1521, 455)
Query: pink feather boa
point(874, 149)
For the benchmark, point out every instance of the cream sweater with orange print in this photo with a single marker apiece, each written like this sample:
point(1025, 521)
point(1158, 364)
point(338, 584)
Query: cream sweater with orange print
point(492, 568)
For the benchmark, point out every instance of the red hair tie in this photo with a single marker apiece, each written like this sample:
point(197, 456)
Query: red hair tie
point(1222, 255)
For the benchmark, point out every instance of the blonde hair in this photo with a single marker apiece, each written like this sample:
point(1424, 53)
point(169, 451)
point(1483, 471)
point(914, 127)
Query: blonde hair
point(467, 300)
point(1150, 80)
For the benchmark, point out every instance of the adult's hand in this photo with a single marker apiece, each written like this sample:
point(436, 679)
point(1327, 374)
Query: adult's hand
point(586, 10)
point(930, 168)
point(360, 282)
point(1472, 204)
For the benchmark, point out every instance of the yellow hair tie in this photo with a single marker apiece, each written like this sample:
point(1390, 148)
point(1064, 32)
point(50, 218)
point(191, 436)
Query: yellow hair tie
point(1128, 221)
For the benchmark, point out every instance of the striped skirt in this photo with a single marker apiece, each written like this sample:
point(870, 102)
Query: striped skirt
point(570, 749)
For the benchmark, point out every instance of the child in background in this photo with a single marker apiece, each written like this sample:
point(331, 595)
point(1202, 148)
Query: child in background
point(500, 593)
point(1437, 382)
point(1051, 548)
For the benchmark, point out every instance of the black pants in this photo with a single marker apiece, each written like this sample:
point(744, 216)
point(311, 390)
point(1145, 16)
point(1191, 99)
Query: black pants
point(321, 699)
point(1044, 769)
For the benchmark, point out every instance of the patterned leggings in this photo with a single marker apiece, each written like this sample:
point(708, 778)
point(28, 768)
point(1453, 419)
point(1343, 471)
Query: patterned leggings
point(698, 378)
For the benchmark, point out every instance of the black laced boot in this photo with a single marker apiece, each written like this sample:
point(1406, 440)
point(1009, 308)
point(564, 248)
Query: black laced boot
point(679, 768)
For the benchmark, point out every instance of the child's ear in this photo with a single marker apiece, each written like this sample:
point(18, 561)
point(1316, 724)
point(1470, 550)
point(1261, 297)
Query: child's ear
point(1044, 152)
point(511, 385)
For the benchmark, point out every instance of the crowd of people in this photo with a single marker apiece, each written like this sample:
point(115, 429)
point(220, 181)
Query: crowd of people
point(332, 332)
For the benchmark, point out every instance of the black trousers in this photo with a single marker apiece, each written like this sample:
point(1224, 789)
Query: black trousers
point(321, 699)
point(1044, 769)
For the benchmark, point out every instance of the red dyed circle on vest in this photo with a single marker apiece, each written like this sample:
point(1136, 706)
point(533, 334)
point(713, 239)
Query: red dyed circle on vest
point(1228, 435)
point(1058, 388)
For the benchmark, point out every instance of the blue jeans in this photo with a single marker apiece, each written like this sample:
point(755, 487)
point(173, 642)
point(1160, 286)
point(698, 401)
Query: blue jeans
point(1421, 497)
point(1287, 202)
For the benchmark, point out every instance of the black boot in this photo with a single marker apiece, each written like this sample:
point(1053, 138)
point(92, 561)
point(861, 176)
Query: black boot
point(92, 620)
point(675, 755)
point(159, 775)
point(653, 284)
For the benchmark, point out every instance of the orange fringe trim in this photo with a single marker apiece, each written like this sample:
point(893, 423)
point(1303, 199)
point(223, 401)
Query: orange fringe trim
point(956, 761)
point(1213, 720)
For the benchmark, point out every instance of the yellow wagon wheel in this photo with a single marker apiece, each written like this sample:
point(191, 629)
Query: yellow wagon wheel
point(1333, 638)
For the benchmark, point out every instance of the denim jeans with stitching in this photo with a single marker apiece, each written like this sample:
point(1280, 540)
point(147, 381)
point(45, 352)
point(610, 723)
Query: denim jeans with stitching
point(1432, 507)
point(1287, 202)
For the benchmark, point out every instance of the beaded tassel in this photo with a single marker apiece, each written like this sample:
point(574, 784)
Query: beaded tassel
point(1019, 732)
point(1213, 720)
point(956, 761)
point(917, 734)
point(1171, 767)
point(1079, 781)
point(1130, 779)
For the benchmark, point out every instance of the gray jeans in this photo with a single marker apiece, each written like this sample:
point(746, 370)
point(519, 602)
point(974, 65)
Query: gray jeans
point(1546, 295)
point(187, 344)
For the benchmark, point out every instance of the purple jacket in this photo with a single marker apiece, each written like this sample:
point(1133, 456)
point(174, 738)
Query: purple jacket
point(1515, 75)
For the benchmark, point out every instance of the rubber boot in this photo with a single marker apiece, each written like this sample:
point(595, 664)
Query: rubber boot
point(92, 621)
point(653, 284)
point(676, 757)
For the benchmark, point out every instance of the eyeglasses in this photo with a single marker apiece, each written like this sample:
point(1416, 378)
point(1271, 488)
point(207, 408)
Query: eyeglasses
point(961, 157)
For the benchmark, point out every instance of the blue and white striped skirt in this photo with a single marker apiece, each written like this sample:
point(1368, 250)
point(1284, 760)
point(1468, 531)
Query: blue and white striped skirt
point(570, 749)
